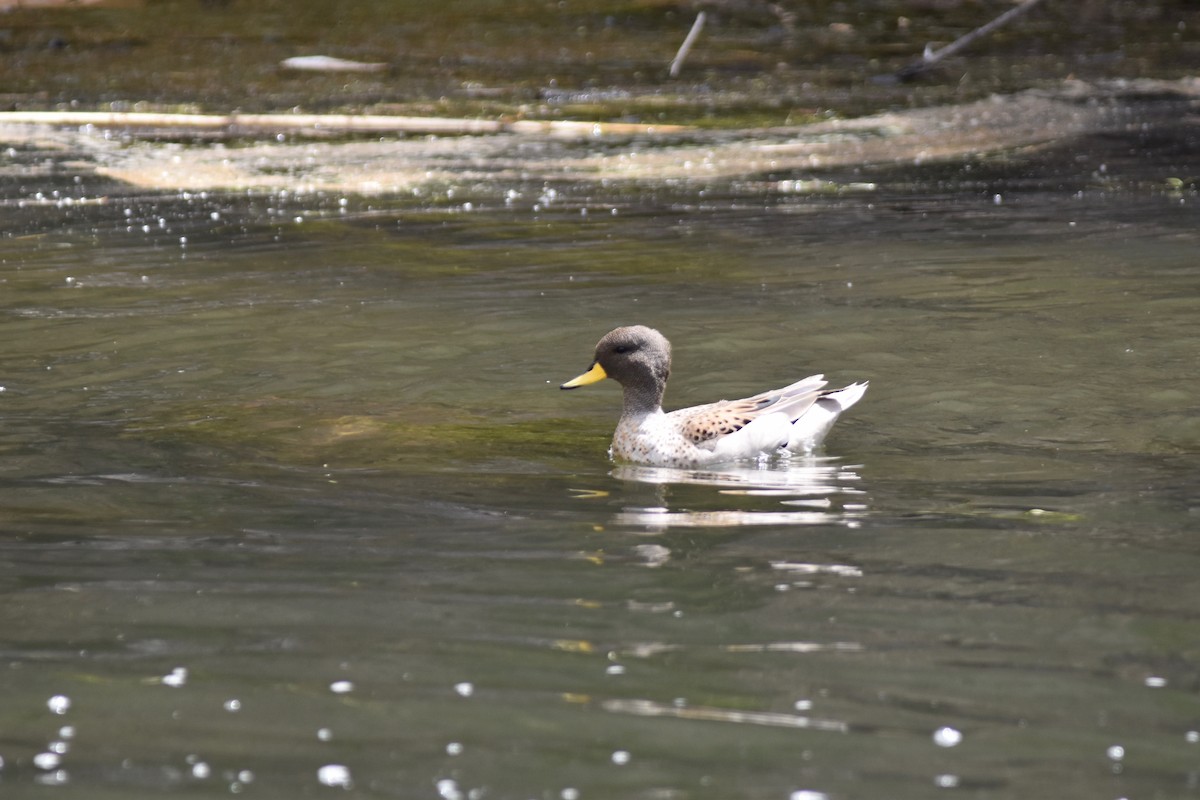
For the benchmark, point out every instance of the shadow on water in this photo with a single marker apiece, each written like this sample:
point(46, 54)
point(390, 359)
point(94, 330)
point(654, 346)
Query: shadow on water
point(291, 501)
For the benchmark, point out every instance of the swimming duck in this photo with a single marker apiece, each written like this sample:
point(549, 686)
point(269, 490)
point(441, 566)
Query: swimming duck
point(794, 418)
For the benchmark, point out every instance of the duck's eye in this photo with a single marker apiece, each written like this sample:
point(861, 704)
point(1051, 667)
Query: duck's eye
point(622, 349)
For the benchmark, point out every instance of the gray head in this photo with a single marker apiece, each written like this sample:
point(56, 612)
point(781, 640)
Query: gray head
point(638, 358)
point(635, 354)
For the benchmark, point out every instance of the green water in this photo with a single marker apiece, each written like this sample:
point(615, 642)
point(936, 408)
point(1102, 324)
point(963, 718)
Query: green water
point(322, 441)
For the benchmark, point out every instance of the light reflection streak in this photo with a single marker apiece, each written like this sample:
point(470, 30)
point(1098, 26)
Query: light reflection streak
point(651, 649)
point(792, 647)
point(714, 519)
point(845, 570)
point(649, 708)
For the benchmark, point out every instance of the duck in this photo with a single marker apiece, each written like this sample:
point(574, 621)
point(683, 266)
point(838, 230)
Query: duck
point(793, 419)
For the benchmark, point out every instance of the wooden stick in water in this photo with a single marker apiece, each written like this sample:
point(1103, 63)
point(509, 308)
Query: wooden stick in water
point(932, 57)
point(689, 40)
point(329, 124)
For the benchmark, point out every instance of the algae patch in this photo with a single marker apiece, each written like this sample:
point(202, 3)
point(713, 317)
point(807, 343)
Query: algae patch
point(291, 433)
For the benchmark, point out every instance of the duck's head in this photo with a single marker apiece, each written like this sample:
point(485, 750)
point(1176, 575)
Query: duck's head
point(635, 356)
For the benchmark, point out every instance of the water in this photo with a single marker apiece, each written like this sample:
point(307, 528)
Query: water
point(295, 507)
point(583, 59)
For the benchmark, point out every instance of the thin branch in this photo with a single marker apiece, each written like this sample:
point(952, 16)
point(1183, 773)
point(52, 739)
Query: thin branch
point(932, 57)
point(689, 40)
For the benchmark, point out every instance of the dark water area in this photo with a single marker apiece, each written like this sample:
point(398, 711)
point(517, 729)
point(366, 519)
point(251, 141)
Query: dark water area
point(291, 504)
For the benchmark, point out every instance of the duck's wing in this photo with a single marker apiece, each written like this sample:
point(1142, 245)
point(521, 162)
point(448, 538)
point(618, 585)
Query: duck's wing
point(700, 424)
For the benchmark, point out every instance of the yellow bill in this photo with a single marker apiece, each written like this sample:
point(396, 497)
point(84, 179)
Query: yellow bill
point(596, 373)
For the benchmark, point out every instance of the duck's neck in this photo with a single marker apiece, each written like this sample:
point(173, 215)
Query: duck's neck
point(643, 399)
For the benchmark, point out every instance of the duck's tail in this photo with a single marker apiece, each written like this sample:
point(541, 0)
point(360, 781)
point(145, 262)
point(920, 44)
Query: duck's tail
point(810, 429)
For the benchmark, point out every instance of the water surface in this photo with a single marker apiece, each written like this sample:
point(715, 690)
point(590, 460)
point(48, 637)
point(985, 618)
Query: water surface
point(287, 485)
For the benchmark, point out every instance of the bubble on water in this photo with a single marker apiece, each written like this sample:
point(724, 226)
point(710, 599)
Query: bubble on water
point(335, 775)
point(232, 705)
point(621, 757)
point(464, 689)
point(803, 705)
point(570, 793)
point(1192, 737)
point(66, 732)
point(200, 770)
point(807, 794)
point(945, 781)
point(59, 704)
point(176, 677)
point(245, 776)
point(1116, 752)
point(341, 687)
point(447, 788)
point(1156, 682)
point(947, 737)
point(56, 778)
point(454, 749)
point(324, 734)
point(47, 760)
point(58, 746)
point(614, 669)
